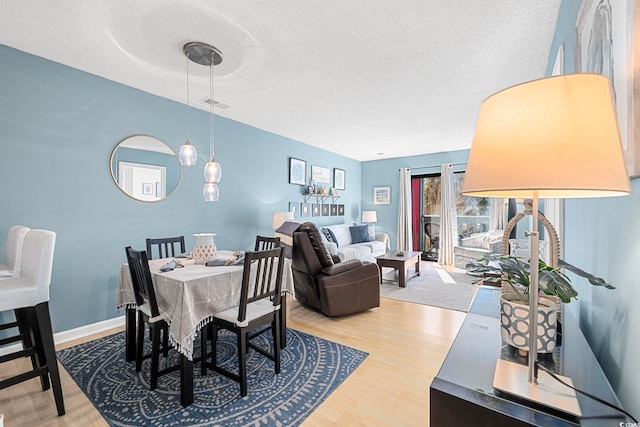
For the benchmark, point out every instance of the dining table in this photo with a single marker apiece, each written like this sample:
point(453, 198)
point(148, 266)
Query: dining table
point(188, 297)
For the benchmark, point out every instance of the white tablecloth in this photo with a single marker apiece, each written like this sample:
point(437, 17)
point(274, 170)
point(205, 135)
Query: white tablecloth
point(188, 297)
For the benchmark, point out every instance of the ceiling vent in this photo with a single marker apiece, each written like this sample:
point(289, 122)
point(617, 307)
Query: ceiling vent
point(215, 103)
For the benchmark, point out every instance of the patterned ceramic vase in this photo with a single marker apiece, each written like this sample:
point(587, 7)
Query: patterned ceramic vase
point(205, 249)
point(514, 323)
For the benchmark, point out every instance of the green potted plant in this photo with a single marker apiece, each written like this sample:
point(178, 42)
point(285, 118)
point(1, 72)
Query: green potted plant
point(553, 283)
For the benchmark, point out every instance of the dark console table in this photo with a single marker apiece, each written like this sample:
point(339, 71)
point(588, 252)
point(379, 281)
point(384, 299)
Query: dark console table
point(462, 393)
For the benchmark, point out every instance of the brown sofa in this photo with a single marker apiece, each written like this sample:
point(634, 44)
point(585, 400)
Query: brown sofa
point(326, 284)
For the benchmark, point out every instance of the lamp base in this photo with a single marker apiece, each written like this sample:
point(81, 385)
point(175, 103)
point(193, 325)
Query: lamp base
point(513, 378)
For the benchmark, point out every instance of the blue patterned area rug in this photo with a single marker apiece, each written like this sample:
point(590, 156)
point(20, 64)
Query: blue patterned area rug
point(312, 368)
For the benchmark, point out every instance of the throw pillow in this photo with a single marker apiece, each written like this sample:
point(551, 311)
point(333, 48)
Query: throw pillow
point(359, 233)
point(327, 234)
point(372, 232)
point(334, 239)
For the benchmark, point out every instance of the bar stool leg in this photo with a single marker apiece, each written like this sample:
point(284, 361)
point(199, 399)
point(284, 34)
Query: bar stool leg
point(46, 334)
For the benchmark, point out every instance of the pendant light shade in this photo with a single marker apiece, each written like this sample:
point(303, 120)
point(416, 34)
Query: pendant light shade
point(212, 171)
point(188, 154)
point(210, 192)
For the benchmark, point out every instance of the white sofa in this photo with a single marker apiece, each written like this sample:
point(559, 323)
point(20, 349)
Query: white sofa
point(345, 248)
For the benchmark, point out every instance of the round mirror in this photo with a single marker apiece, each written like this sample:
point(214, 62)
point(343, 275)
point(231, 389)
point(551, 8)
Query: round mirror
point(145, 168)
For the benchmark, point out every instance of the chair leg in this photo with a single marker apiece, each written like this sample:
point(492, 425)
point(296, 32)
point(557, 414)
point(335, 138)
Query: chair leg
point(46, 332)
point(204, 336)
point(214, 344)
point(165, 340)
point(27, 327)
point(155, 355)
point(275, 326)
point(140, 342)
point(242, 361)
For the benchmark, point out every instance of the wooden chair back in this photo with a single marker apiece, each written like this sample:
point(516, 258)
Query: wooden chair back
point(166, 246)
point(261, 278)
point(141, 279)
point(264, 243)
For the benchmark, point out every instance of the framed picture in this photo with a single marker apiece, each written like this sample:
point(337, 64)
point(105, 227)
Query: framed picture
point(325, 210)
point(158, 190)
point(611, 53)
point(315, 209)
point(297, 171)
point(381, 195)
point(147, 189)
point(338, 178)
point(340, 210)
point(320, 174)
point(293, 207)
point(305, 209)
point(334, 210)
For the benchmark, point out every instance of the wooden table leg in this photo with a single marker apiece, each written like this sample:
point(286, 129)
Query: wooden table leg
point(418, 266)
point(186, 381)
point(130, 334)
point(402, 276)
point(283, 321)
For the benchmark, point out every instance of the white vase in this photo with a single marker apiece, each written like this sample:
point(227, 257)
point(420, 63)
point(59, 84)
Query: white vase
point(514, 323)
point(205, 248)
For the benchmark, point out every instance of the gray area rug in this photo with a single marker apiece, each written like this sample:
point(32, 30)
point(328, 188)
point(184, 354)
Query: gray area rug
point(430, 289)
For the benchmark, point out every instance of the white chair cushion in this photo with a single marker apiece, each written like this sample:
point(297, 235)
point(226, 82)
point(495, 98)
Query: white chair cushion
point(146, 309)
point(13, 253)
point(254, 310)
point(17, 292)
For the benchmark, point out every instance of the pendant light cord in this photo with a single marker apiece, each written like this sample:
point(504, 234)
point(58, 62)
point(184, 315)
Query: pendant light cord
point(211, 101)
point(187, 55)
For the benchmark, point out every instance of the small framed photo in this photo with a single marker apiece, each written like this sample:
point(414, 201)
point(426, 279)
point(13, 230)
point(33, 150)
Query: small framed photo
point(340, 210)
point(338, 178)
point(293, 207)
point(381, 195)
point(158, 190)
point(320, 174)
point(305, 209)
point(334, 210)
point(147, 188)
point(297, 171)
point(315, 209)
point(325, 210)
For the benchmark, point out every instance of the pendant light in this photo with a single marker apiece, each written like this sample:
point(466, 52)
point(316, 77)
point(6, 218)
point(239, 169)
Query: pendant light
point(188, 154)
point(205, 54)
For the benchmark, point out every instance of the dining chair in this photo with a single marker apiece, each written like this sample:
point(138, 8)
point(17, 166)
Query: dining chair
point(166, 246)
point(148, 314)
point(13, 252)
point(264, 243)
point(28, 295)
point(259, 305)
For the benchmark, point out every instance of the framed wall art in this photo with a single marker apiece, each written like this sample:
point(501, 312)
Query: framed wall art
point(320, 174)
point(334, 210)
point(293, 207)
point(325, 210)
point(305, 209)
point(604, 37)
point(339, 176)
point(340, 210)
point(297, 171)
point(315, 209)
point(147, 188)
point(382, 195)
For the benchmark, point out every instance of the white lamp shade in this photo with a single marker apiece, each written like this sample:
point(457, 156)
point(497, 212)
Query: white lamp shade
point(369, 216)
point(188, 154)
point(210, 192)
point(280, 218)
point(557, 136)
point(212, 171)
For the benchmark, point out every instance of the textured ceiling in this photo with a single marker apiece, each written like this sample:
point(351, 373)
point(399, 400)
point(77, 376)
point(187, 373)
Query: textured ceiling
point(367, 79)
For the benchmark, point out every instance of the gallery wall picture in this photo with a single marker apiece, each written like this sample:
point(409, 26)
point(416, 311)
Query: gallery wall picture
point(339, 176)
point(320, 174)
point(315, 209)
point(305, 209)
point(297, 171)
point(325, 210)
point(340, 210)
point(293, 207)
point(334, 210)
point(381, 195)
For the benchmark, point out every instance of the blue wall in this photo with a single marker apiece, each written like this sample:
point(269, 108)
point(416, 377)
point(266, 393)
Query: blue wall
point(601, 236)
point(58, 127)
point(382, 173)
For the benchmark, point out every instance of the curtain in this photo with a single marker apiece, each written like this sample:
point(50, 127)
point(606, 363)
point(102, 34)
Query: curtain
point(404, 241)
point(416, 205)
point(498, 214)
point(448, 217)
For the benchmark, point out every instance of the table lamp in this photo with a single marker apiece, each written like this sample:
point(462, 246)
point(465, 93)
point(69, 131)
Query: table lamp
point(556, 137)
point(280, 218)
point(369, 216)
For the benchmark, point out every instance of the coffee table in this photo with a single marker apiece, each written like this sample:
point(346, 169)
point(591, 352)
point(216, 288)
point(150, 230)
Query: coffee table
point(401, 263)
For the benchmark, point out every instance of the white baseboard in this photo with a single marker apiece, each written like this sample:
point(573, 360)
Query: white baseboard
point(72, 334)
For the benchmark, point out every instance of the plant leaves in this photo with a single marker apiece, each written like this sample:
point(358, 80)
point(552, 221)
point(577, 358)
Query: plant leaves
point(594, 280)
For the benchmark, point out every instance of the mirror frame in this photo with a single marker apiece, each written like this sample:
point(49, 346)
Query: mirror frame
point(115, 178)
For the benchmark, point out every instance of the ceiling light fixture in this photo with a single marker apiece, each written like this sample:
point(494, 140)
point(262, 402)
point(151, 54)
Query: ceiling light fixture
point(205, 54)
point(188, 154)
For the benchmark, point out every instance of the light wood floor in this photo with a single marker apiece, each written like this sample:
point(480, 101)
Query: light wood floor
point(406, 343)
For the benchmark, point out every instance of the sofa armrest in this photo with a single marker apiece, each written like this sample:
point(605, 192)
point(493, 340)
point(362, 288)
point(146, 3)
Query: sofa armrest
point(334, 269)
point(384, 237)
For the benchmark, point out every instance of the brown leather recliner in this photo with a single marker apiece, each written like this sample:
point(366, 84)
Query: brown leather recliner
point(322, 282)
